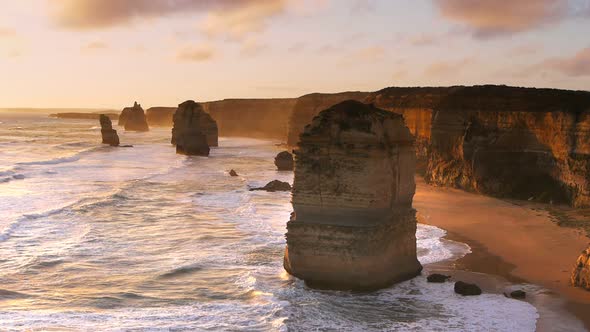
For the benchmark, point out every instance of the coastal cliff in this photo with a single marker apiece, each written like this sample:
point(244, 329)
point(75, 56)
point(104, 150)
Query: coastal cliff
point(306, 107)
point(353, 225)
point(194, 130)
point(160, 116)
point(133, 118)
point(264, 118)
point(503, 141)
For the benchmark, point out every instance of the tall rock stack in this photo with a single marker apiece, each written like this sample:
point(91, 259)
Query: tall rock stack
point(133, 118)
point(353, 225)
point(194, 130)
point(109, 135)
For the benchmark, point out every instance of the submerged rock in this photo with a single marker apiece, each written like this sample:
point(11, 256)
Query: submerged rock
point(581, 273)
point(467, 289)
point(133, 118)
point(190, 123)
point(284, 161)
point(437, 278)
point(109, 135)
point(274, 185)
point(353, 225)
point(518, 294)
point(233, 173)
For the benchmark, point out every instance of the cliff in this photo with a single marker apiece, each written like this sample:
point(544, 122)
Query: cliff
point(353, 226)
point(264, 118)
point(194, 130)
point(503, 141)
point(581, 273)
point(160, 116)
point(308, 106)
point(84, 116)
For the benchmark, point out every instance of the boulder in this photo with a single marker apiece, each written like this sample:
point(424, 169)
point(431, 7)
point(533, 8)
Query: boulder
point(284, 161)
point(437, 278)
point(581, 273)
point(190, 117)
point(353, 226)
point(274, 185)
point(233, 173)
point(518, 294)
point(467, 289)
point(133, 118)
point(109, 135)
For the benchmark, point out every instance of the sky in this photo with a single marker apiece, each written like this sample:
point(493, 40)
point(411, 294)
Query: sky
point(109, 53)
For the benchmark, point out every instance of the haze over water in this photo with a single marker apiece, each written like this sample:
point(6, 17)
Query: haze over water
point(100, 238)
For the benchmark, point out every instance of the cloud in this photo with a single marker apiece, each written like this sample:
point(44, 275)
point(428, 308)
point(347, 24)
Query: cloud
point(252, 47)
point(95, 46)
point(7, 32)
point(577, 65)
point(242, 15)
point(198, 53)
point(488, 19)
point(424, 40)
point(442, 68)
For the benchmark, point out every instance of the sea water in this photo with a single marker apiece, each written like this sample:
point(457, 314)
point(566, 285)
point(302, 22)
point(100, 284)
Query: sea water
point(97, 238)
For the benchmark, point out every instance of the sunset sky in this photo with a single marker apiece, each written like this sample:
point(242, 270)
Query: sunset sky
point(108, 53)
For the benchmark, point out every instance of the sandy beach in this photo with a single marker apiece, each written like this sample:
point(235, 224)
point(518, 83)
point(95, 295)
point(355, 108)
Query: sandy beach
point(517, 243)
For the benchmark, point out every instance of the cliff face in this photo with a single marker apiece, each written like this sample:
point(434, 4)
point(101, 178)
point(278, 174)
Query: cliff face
point(307, 107)
point(353, 225)
point(581, 273)
point(499, 140)
point(264, 118)
point(160, 116)
point(190, 123)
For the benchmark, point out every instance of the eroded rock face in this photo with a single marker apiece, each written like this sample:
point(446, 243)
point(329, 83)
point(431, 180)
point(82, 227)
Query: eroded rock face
point(274, 185)
point(133, 118)
point(194, 130)
point(581, 273)
point(308, 106)
point(109, 135)
point(353, 225)
point(284, 161)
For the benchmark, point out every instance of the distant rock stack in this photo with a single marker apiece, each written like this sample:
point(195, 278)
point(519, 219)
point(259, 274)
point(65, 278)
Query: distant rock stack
point(581, 274)
point(194, 130)
point(284, 161)
point(353, 225)
point(109, 135)
point(133, 118)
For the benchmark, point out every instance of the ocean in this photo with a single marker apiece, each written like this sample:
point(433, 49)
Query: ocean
point(97, 238)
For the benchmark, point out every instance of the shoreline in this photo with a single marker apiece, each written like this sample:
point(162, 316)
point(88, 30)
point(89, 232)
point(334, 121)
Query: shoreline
point(511, 245)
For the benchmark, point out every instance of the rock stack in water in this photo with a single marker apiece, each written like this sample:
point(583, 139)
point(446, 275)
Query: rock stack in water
point(581, 274)
point(284, 161)
point(353, 225)
point(109, 135)
point(133, 118)
point(194, 130)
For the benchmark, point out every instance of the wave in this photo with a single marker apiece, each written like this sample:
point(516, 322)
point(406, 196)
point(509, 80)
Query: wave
point(10, 295)
point(181, 271)
point(61, 160)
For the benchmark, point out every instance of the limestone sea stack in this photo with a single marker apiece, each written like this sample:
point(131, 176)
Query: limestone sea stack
point(284, 161)
point(109, 135)
point(194, 130)
point(353, 225)
point(133, 118)
point(581, 274)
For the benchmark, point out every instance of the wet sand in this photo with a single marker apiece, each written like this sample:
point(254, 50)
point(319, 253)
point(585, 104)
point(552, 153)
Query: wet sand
point(517, 243)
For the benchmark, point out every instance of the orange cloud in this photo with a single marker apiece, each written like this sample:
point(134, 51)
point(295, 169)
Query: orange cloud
point(6, 32)
point(95, 45)
point(443, 68)
point(577, 65)
point(501, 17)
point(197, 53)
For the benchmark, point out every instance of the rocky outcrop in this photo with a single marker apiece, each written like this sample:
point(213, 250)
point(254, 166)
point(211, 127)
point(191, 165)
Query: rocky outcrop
point(191, 118)
point(284, 161)
point(83, 116)
point(437, 278)
point(109, 135)
point(308, 106)
point(133, 118)
point(503, 141)
point(467, 289)
point(274, 185)
point(581, 273)
point(353, 225)
point(233, 173)
point(160, 116)
point(261, 118)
